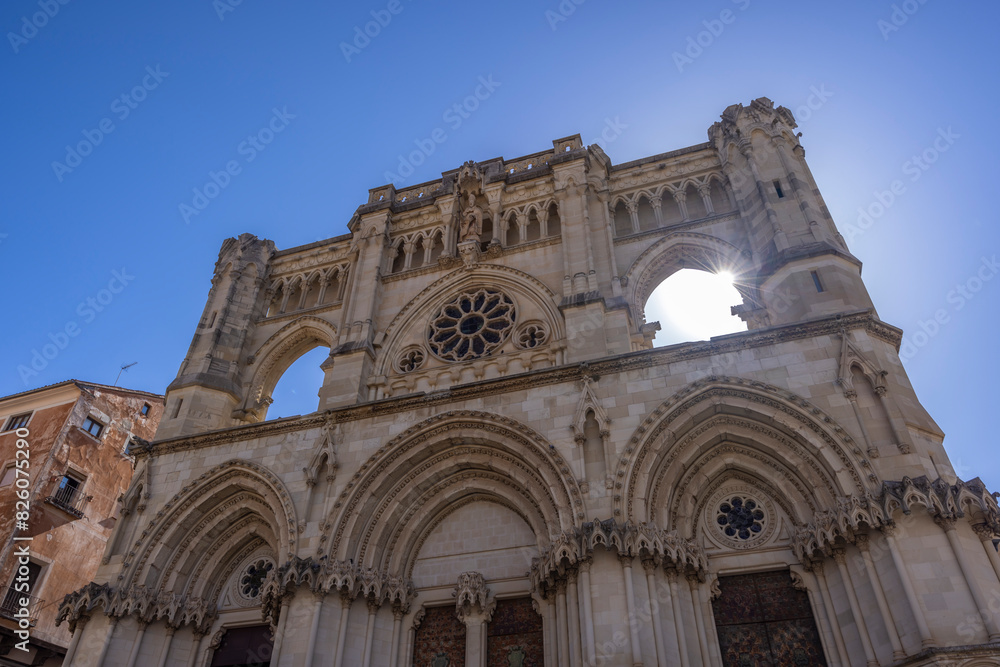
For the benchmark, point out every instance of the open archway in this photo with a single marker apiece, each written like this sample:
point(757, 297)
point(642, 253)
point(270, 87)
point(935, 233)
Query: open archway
point(694, 305)
point(296, 391)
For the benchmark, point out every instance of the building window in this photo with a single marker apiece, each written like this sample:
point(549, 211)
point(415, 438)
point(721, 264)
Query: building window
point(144, 411)
point(12, 597)
point(93, 427)
point(816, 282)
point(778, 191)
point(17, 421)
point(9, 474)
point(68, 491)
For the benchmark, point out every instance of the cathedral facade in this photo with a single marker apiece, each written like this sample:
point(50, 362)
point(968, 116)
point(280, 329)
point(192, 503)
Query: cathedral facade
point(503, 470)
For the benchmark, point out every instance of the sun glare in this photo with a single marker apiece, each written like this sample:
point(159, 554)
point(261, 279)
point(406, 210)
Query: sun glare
point(694, 305)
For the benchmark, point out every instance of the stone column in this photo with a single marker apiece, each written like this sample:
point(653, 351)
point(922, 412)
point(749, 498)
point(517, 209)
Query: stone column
point(985, 535)
point(345, 609)
point(397, 624)
point(279, 631)
point(839, 556)
point(563, 622)
point(633, 617)
point(111, 633)
point(551, 636)
point(831, 611)
point(657, 204)
point(314, 628)
point(705, 190)
point(411, 637)
point(926, 638)
point(164, 652)
point(573, 607)
point(649, 565)
point(883, 605)
point(136, 643)
point(633, 214)
point(982, 604)
point(373, 607)
point(699, 618)
point(680, 196)
point(675, 602)
point(74, 643)
point(588, 612)
point(196, 649)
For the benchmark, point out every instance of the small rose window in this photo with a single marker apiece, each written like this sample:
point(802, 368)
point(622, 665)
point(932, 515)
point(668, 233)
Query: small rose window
point(740, 518)
point(471, 326)
point(253, 578)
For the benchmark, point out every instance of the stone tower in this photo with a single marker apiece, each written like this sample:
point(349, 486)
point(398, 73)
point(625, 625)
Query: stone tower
point(503, 470)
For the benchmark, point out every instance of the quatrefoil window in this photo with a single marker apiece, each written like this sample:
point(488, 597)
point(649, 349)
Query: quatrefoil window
point(411, 359)
point(253, 578)
point(472, 325)
point(531, 335)
point(740, 518)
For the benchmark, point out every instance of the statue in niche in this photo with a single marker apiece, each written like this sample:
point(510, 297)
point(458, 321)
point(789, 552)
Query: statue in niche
point(472, 220)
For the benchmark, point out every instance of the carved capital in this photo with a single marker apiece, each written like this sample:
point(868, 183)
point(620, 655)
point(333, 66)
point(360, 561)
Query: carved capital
point(984, 532)
point(863, 542)
point(839, 555)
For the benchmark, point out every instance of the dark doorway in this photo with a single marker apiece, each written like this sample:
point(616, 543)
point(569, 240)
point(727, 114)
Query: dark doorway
point(440, 639)
point(244, 647)
point(764, 622)
point(514, 635)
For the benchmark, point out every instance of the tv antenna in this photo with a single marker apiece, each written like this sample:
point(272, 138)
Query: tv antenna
point(124, 368)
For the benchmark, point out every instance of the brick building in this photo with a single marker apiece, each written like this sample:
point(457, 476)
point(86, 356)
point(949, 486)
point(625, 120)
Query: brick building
point(78, 467)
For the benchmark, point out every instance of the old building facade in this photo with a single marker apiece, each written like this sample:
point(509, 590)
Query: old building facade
point(502, 469)
point(64, 447)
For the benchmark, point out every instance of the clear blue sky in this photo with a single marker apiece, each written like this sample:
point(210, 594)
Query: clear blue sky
point(216, 76)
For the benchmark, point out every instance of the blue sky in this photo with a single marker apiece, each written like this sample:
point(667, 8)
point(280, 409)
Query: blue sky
point(200, 77)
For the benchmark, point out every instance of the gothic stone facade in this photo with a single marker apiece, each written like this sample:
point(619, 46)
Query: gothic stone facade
point(496, 435)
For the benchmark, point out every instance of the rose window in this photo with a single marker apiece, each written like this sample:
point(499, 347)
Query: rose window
point(253, 578)
point(740, 518)
point(473, 325)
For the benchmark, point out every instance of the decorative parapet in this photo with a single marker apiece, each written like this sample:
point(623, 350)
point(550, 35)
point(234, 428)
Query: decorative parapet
point(627, 539)
point(970, 500)
point(146, 604)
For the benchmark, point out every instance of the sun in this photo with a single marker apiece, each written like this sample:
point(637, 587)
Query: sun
point(694, 305)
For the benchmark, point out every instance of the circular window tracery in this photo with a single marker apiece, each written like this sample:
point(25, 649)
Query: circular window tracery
point(740, 518)
point(253, 578)
point(472, 325)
